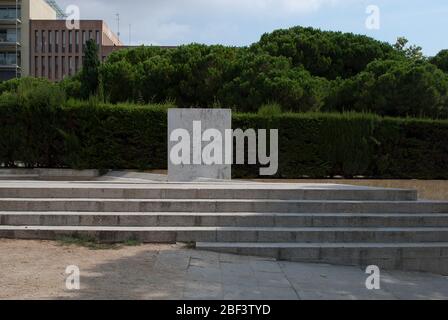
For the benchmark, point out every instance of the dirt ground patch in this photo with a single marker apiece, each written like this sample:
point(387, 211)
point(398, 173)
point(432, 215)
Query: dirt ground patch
point(36, 269)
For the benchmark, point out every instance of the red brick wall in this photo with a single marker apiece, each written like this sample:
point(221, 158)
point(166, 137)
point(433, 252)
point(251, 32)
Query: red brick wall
point(54, 58)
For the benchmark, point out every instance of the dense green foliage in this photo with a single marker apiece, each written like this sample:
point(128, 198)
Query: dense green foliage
point(326, 54)
point(325, 145)
point(89, 76)
point(301, 69)
point(46, 132)
point(441, 60)
point(41, 129)
point(393, 88)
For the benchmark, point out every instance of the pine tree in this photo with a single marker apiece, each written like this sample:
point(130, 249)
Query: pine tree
point(89, 73)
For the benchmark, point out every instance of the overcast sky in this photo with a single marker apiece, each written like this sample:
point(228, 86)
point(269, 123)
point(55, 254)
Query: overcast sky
point(242, 22)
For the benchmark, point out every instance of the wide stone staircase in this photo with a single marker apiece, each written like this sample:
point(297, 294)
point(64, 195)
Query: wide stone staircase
point(334, 224)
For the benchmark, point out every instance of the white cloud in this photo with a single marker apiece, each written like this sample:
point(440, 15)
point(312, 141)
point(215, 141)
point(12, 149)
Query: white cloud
point(181, 21)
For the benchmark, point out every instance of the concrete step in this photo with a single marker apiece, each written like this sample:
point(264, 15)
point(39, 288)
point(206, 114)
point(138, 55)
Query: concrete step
point(210, 219)
point(230, 234)
point(221, 205)
point(20, 174)
point(425, 257)
point(24, 177)
point(203, 191)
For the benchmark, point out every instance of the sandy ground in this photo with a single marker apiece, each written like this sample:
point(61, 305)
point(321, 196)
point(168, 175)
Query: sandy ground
point(36, 270)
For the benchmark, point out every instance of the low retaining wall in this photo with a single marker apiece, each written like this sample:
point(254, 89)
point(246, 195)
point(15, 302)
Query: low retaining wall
point(427, 189)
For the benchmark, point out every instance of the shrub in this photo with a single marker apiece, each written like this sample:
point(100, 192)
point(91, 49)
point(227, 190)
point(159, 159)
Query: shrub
point(301, 69)
point(71, 87)
point(325, 53)
point(29, 117)
point(326, 145)
point(92, 134)
point(270, 110)
point(89, 74)
point(393, 88)
point(441, 60)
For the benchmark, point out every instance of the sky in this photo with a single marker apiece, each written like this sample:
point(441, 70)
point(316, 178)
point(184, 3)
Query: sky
point(242, 22)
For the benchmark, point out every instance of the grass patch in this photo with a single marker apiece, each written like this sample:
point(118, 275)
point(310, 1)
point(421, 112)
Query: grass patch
point(189, 245)
point(132, 243)
point(93, 244)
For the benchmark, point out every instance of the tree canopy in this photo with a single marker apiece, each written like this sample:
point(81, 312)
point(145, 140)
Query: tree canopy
point(299, 69)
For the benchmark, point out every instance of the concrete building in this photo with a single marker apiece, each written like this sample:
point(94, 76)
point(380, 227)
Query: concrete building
point(35, 41)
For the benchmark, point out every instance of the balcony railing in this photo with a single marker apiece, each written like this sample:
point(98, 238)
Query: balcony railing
point(9, 40)
point(9, 60)
point(5, 65)
point(10, 14)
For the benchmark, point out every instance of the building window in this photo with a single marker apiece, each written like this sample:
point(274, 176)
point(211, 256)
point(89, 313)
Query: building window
point(84, 40)
point(9, 12)
point(50, 41)
point(63, 66)
point(64, 41)
point(90, 34)
point(97, 37)
point(8, 35)
point(70, 66)
point(36, 66)
point(56, 68)
point(36, 41)
point(70, 41)
point(56, 41)
point(44, 42)
point(49, 68)
point(77, 40)
point(76, 64)
point(43, 66)
point(9, 58)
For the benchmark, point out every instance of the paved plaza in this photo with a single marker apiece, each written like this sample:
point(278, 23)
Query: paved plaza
point(36, 270)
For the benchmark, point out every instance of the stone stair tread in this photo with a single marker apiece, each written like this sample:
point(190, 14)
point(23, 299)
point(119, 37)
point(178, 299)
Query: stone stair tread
point(230, 214)
point(18, 176)
point(241, 229)
point(231, 190)
point(221, 200)
point(298, 245)
point(244, 185)
point(272, 201)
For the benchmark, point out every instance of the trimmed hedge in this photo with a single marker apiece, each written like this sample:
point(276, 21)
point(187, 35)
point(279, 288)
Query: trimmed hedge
point(84, 136)
point(352, 145)
point(88, 135)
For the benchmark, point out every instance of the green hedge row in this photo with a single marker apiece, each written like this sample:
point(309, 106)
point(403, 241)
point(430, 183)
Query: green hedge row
point(352, 145)
point(83, 135)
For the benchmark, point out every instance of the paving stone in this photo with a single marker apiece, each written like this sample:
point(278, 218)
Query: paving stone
point(200, 290)
point(204, 263)
point(415, 285)
point(207, 274)
point(277, 280)
point(265, 266)
point(237, 269)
